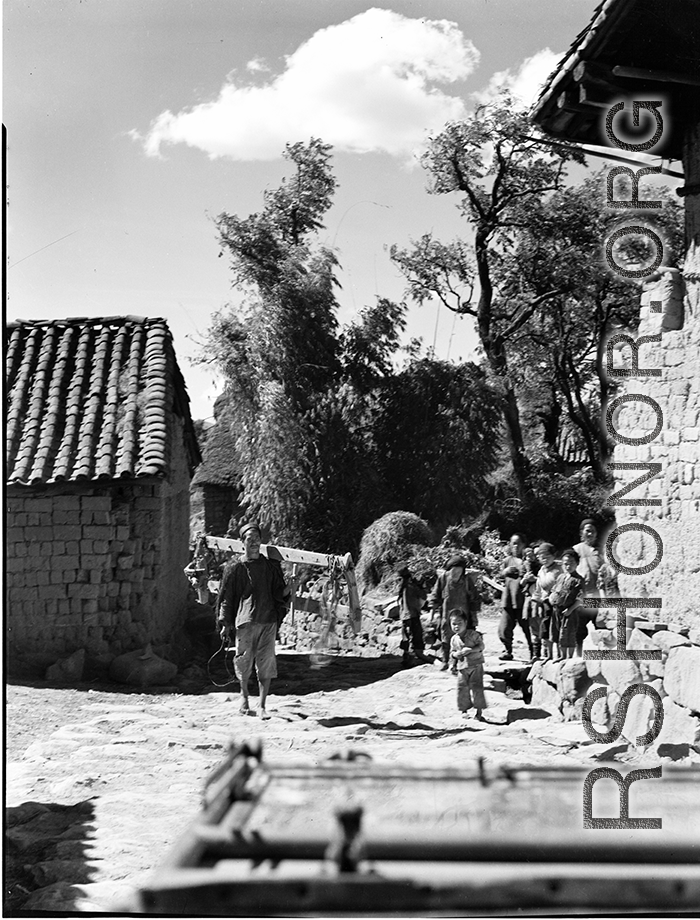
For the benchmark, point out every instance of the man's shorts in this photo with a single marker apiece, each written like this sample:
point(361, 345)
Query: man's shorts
point(255, 642)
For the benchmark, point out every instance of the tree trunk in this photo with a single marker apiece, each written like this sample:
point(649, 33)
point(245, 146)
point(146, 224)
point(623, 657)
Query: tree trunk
point(581, 417)
point(550, 416)
point(604, 389)
point(511, 414)
point(496, 356)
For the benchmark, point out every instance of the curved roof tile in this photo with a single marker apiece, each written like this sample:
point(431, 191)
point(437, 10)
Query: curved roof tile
point(93, 398)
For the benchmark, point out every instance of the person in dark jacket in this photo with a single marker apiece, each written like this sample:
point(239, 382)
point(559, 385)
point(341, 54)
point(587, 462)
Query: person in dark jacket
point(252, 601)
point(454, 589)
point(411, 598)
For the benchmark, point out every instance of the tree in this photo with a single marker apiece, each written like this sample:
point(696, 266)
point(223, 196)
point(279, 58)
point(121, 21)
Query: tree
point(291, 324)
point(492, 162)
point(437, 434)
point(562, 347)
point(329, 435)
point(297, 384)
point(278, 348)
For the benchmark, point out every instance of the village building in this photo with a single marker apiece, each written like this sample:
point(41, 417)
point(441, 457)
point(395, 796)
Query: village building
point(100, 454)
point(644, 50)
point(216, 487)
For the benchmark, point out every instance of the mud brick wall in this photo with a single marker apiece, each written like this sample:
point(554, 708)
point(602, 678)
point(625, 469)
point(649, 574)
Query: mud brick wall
point(677, 448)
point(97, 567)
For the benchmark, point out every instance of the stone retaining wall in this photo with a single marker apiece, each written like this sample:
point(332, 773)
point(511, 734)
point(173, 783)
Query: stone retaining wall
point(380, 633)
point(561, 687)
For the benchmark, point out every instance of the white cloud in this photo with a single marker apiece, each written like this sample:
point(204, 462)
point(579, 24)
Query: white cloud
point(367, 84)
point(525, 83)
point(257, 65)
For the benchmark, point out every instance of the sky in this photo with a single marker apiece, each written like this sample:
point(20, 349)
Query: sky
point(132, 124)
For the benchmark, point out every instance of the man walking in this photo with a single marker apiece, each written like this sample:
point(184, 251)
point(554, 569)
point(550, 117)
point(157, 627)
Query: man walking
point(252, 601)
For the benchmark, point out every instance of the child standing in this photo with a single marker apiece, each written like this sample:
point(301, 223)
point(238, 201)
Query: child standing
point(513, 597)
point(467, 656)
point(566, 598)
point(530, 607)
point(547, 575)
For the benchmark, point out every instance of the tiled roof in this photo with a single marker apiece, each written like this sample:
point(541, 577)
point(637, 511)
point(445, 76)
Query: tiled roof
point(571, 448)
point(92, 399)
point(630, 47)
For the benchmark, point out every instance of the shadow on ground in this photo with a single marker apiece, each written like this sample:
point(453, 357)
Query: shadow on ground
point(299, 674)
point(46, 855)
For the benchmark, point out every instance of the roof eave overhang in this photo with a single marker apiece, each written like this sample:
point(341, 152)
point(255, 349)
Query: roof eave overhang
point(631, 49)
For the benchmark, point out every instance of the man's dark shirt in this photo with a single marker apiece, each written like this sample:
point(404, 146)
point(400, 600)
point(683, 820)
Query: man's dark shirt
point(252, 591)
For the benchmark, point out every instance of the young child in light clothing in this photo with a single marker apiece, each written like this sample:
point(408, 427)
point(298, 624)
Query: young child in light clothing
point(467, 657)
point(548, 573)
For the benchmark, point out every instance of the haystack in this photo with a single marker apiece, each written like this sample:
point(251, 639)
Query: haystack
point(387, 544)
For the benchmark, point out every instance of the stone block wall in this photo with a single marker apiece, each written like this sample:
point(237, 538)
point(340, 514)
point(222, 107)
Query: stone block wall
point(677, 448)
point(98, 567)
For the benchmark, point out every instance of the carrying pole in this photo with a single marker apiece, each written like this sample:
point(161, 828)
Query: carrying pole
point(288, 554)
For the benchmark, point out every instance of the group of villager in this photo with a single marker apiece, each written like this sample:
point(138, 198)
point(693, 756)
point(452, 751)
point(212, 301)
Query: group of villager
point(543, 594)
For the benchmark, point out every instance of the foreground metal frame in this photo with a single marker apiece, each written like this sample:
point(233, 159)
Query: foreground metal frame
point(230, 864)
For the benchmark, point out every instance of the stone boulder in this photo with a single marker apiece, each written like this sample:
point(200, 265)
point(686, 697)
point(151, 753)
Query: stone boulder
point(142, 668)
point(545, 695)
point(681, 726)
point(68, 670)
point(597, 640)
point(682, 677)
point(600, 710)
point(573, 680)
point(621, 674)
point(639, 718)
point(550, 671)
point(651, 668)
point(667, 640)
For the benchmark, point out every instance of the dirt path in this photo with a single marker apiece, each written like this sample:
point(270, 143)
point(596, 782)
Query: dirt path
point(115, 776)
